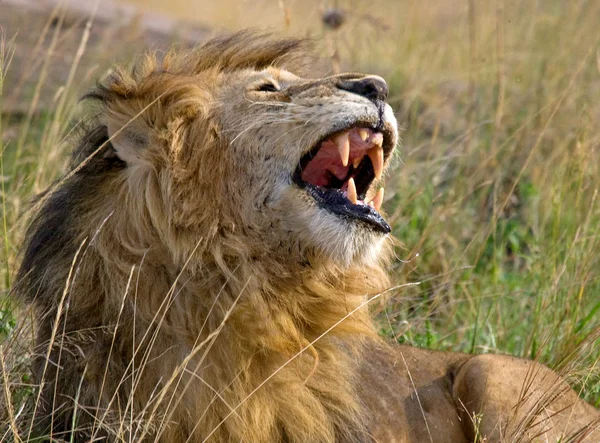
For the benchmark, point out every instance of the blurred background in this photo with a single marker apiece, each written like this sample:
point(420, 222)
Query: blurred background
point(493, 199)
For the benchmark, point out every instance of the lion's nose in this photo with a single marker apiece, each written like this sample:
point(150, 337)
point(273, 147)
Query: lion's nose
point(372, 87)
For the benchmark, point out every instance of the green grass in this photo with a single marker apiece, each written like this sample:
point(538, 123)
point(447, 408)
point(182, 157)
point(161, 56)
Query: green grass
point(497, 187)
point(494, 198)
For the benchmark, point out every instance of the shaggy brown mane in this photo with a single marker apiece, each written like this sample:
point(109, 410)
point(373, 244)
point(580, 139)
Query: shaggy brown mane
point(242, 50)
point(157, 304)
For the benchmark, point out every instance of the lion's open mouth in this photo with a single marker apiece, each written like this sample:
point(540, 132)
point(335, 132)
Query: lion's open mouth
point(338, 172)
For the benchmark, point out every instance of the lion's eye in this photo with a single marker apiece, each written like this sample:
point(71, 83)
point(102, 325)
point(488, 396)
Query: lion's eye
point(268, 87)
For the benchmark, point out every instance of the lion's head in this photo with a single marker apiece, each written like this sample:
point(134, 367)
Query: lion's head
point(245, 200)
point(243, 145)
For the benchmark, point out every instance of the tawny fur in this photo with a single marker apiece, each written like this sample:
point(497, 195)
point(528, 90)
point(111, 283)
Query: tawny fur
point(186, 290)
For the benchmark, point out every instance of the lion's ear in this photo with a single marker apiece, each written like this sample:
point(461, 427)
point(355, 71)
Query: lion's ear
point(129, 140)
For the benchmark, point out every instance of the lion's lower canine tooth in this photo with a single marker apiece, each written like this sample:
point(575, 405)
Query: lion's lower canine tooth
point(376, 156)
point(351, 192)
point(378, 199)
point(343, 145)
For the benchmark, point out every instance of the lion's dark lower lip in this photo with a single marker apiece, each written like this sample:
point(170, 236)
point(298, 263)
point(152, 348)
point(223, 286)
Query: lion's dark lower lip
point(334, 201)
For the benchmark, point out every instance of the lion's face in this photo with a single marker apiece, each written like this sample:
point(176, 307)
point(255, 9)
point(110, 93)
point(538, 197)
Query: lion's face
point(224, 147)
point(308, 155)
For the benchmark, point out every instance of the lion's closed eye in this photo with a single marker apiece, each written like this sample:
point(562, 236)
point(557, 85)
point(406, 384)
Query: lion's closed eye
point(268, 86)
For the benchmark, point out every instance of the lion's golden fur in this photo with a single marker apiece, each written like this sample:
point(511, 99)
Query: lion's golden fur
point(173, 304)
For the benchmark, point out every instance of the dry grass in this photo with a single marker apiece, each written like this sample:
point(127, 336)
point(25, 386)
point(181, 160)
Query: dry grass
point(495, 198)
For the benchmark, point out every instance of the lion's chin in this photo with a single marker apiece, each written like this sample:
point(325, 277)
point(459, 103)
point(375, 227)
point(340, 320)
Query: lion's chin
point(325, 236)
point(355, 251)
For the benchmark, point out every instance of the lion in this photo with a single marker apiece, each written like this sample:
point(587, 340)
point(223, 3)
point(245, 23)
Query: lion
point(203, 270)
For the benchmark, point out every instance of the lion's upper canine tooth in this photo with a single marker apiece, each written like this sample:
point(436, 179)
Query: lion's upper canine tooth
point(377, 139)
point(378, 199)
point(376, 156)
point(351, 191)
point(356, 162)
point(343, 145)
point(363, 134)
